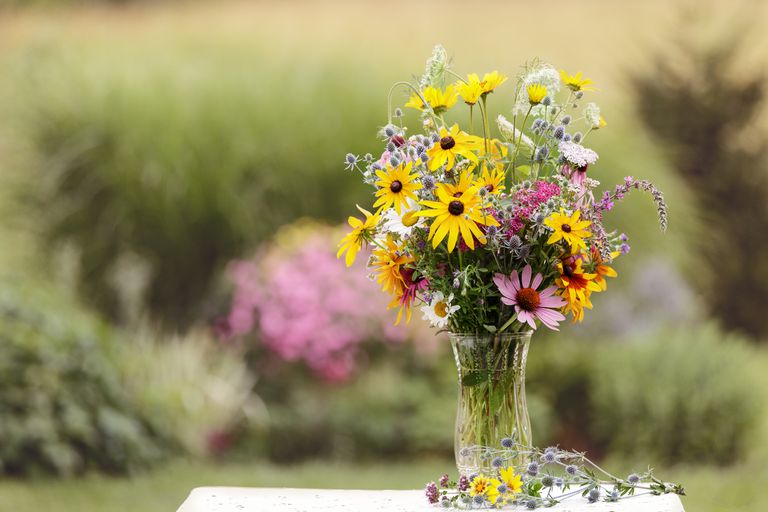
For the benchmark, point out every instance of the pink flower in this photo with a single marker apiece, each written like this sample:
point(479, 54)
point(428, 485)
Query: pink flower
point(530, 303)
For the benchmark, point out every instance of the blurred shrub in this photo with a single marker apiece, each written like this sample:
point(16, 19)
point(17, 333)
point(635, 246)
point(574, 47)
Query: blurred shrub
point(62, 407)
point(178, 160)
point(297, 300)
point(685, 397)
point(191, 389)
point(702, 104)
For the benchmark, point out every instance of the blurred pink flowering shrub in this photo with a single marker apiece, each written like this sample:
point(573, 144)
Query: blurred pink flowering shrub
point(301, 303)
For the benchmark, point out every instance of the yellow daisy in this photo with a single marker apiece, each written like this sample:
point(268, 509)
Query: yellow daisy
point(452, 143)
point(471, 90)
point(456, 215)
point(361, 231)
point(397, 185)
point(491, 81)
point(513, 481)
point(576, 286)
point(568, 228)
point(601, 269)
point(492, 181)
point(459, 188)
point(439, 100)
point(387, 262)
point(536, 93)
point(576, 82)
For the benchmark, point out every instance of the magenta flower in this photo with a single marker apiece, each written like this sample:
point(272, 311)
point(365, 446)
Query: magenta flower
point(530, 303)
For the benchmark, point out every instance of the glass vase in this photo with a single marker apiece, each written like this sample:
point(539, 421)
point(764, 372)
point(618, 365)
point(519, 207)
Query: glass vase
point(491, 404)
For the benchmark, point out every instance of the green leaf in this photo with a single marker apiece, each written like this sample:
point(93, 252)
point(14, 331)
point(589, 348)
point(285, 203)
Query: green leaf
point(490, 328)
point(525, 170)
point(474, 378)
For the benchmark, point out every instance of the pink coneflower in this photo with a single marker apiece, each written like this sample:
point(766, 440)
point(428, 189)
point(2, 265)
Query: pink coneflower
point(530, 304)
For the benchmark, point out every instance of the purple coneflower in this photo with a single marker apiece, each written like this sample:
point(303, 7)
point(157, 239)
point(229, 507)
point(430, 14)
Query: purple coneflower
point(530, 303)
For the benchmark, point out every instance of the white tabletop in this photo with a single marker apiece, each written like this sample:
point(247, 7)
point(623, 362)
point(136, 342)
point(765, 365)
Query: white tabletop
point(245, 499)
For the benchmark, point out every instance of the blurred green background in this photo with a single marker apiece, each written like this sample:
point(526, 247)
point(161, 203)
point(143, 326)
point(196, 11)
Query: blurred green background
point(147, 147)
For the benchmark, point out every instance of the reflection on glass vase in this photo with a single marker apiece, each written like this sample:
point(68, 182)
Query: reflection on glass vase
point(492, 403)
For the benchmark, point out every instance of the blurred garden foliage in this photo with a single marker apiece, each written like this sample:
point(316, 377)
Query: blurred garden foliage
point(703, 108)
point(78, 395)
point(164, 172)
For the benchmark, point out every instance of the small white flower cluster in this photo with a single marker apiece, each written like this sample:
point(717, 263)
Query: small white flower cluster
point(543, 74)
point(435, 68)
point(577, 155)
point(592, 115)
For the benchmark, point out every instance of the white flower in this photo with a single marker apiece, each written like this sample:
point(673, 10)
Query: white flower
point(592, 115)
point(439, 310)
point(403, 224)
point(577, 155)
point(435, 68)
point(511, 133)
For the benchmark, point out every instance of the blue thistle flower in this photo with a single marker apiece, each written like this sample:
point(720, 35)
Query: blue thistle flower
point(389, 130)
point(633, 479)
point(542, 153)
point(536, 124)
point(398, 112)
point(559, 482)
point(614, 496)
point(424, 157)
point(566, 120)
point(508, 442)
point(502, 488)
point(394, 161)
point(571, 469)
point(549, 457)
point(577, 137)
point(559, 132)
point(594, 494)
point(547, 481)
point(567, 137)
point(531, 504)
point(391, 146)
point(533, 467)
point(579, 95)
point(497, 462)
point(547, 101)
point(478, 499)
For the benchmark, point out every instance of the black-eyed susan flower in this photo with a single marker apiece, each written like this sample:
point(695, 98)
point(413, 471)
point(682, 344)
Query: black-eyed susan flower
point(576, 82)
point(602, 269)
point(362, 231)
point(387, 260)
point(438, 100)
point(575, 286)
point(397, 186)
point(455, 215)
point(458, 188)
point(452, 143)
point(569, 228)
point(536, 93)
point(492, 181)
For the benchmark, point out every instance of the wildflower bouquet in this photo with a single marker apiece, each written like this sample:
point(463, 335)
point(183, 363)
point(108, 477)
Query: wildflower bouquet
point(485, 232)
point(490, 233)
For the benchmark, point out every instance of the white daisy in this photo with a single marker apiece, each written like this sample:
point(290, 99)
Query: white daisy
point(439, 310)
point(402, 224)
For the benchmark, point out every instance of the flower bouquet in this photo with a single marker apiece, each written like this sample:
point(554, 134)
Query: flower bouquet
point(490, 233)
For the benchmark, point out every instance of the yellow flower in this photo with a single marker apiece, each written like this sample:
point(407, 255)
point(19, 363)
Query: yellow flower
point(456, 215)
point(536, 93)
point(458, 189)
point(576, 82)
point(492, 181)
point(568, 228)
point(513, 482)
point(439, 101)
point(452, 143)
point(361, 231)
point(600, 124)
point(576, 286)
point(601, 269)
point(491, 81)
point(479, 485)
point(397, 186)
point(471, 90)
point(387, 261)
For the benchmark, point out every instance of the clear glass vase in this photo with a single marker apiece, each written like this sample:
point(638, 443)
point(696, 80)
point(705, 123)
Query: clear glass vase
point(491, 403)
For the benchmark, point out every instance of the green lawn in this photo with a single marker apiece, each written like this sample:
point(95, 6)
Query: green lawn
point(710, 489)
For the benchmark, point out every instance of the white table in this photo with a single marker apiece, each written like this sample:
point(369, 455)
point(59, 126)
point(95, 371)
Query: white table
point(245, 499)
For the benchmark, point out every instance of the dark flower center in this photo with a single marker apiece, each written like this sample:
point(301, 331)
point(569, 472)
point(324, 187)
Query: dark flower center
point(398, 140)
point(567, 270)
point(456, 207)
point(458, 194)
point(396, 186)
point(582, 169)
point(528, 299)
point(447, 142)
point(566, 228)
point(489, 187)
